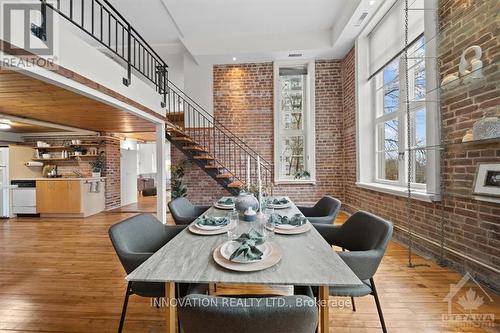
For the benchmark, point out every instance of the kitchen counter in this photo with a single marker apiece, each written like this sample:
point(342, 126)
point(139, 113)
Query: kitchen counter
point(67, 197)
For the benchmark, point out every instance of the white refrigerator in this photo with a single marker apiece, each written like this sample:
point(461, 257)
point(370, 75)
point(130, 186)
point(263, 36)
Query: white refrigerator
point(4, 183)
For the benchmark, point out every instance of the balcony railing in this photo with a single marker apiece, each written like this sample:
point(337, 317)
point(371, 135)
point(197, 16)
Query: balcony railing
point(104, 24)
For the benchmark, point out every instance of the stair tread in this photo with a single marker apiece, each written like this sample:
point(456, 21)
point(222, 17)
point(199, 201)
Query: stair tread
point(212, 166)
point(224, 175)
point(235, 184)
point(183, 139)
point(203, 157)
point(197, 148)
point(177, 131)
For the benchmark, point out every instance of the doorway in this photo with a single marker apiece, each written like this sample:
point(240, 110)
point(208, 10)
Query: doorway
point(128, 176)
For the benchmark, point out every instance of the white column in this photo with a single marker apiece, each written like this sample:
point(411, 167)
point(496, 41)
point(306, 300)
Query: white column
point(161, 197)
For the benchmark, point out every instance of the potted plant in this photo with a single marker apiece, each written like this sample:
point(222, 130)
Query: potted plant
point(302, 174)
point(177, 173)
point(97, 166)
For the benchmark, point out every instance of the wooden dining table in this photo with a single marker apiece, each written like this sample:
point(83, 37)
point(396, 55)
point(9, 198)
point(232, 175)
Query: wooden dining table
point(307, 260)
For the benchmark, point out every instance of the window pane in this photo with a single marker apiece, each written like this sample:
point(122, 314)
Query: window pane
point(389, 165)
point(391, 87)
point(292, 101)
point(420, 163)
point(293, 155)
point(389, 139)
point(418, 129)
point(419, 78)
point(416, 63)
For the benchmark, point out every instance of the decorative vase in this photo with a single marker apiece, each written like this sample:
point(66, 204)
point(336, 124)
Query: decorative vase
point(244, 201)
point(488, 127)
point(96, 174)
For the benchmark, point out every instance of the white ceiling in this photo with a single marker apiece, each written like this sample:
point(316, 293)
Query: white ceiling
point(150, 18)
point(252, 30)
point(218, 18)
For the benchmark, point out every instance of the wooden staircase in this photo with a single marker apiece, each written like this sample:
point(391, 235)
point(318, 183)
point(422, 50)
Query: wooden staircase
point(209, 144)
point(200, 156)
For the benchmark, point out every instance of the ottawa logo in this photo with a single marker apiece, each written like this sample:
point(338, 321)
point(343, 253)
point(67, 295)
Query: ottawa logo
point(466, 301)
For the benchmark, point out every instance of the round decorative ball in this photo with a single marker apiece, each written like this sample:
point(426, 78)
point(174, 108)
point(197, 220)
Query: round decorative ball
point(244, 201)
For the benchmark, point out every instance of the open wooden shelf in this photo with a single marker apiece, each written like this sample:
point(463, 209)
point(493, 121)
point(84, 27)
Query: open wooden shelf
point(93, 155)
point(50, 159)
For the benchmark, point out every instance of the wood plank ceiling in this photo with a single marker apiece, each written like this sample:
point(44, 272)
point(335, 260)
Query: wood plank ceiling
point(27, 97)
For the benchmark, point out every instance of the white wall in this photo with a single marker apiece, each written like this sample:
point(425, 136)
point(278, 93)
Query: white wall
point(198, 82)
point(128, 176)
point(146, 158)
point(175, 62)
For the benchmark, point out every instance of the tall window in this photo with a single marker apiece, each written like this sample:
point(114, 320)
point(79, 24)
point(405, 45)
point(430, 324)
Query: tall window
point(385, 144)
point(393, 148)
point(294, 138)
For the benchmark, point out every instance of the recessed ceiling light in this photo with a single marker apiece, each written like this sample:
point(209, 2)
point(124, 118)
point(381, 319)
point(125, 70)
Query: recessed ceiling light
point(4, 126)
point(372, 2)
point(234, 58)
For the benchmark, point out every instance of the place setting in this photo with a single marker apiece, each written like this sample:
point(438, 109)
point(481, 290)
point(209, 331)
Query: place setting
point(296, 224)
point(226, 203)
point(247, 253)
point(279, 203)
point(212, 225)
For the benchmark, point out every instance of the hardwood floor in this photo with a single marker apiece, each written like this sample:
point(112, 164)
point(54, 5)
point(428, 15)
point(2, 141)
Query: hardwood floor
point(143, 205)
point(62, 275)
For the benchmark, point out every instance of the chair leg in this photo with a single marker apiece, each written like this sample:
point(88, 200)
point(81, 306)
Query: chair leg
point(353, 304)
point(379, 308)
point(124, 309)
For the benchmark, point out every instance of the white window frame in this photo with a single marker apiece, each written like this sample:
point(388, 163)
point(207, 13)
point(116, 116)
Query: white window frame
point(366, 124)
point(308, 119)
point(400, 116)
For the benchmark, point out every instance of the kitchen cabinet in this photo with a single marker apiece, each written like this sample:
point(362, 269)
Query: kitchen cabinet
point(62, 196)
point(76, 197)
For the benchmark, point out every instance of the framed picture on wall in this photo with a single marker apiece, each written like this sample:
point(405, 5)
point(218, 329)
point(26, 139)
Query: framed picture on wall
point(487, 182)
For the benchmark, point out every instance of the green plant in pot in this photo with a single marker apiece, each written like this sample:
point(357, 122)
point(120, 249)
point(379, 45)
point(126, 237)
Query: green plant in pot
point(302, 174)
point(177, 173)
point(97, 165)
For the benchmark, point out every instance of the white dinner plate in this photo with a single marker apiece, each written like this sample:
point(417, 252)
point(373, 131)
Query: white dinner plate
point(228, 248)
point(272, 259)
point(286, 226)
point(195, 229)
point(287, 205)
point(293, 231)
point(211, 227)
point(221, 206)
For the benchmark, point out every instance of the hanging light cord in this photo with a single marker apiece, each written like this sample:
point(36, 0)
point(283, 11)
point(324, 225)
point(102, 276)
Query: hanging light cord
point(409, 146)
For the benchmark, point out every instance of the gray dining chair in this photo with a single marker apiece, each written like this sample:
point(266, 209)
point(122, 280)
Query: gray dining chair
point(184, 212)
point(324, 211)
point(283, 314)
point(365, 237)
point(135, 240)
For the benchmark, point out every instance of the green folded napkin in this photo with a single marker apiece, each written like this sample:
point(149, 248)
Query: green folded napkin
point(212, 221)
point(248, 248)
point(280, 201)
point(296, 220)
point(226, 201)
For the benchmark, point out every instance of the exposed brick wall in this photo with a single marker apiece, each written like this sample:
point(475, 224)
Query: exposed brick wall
point(112, 172)
point(201, 189)
point(470, 227)
point(243, 102)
